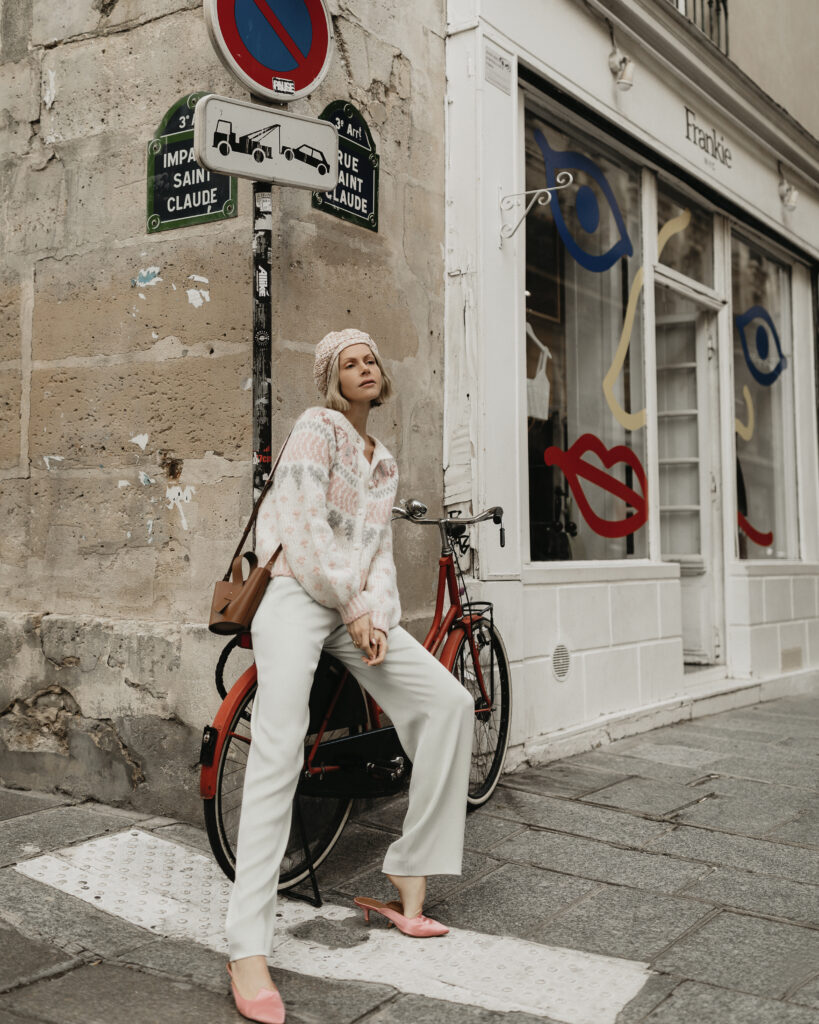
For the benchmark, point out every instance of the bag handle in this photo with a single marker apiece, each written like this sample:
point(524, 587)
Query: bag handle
point(255, 512)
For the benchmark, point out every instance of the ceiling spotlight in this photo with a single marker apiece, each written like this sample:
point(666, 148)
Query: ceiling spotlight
point(622, 68)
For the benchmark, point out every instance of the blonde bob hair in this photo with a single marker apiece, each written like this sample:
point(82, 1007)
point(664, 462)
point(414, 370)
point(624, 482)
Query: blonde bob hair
point(335, 399)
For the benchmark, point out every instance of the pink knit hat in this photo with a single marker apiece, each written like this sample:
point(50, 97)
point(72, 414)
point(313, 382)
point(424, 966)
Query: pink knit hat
point(330, 346)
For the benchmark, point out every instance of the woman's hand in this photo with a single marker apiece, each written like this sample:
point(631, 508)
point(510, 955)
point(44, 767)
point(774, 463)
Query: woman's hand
point(371, 642)
point(361, 632)
point(379, 646)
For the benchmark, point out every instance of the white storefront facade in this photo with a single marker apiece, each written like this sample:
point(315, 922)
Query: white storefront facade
point(630, 368)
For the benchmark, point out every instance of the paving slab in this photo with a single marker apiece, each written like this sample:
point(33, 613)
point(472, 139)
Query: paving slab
point(650, 796)
point(589, 859)
point(99, 993)
point(805, 745)
point(730, 814)
point(562, 779)
point(42, 912)
point(33, 834)
point(693, 1003)
point(724, 849)
point(14, 802)
point(385, 813)
point(759, 894)
point(627, 923)
point(794, 797)
point(656, 989)
point(770, 722)
point(516, 900)
point(375, 884)
point(672, 753)
point(764, 958)
point(807, 995)
point(481, 833)
point(307, 999)
point(722, 742)
point(358, 848)
point(24, 958)
point(574, 818)
point(803, 830)
point(187, 835)
point(416, 1010)
point(607, 760)
point(771, 769)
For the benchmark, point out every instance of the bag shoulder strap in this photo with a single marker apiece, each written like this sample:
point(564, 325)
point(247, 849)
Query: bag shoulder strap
point(255, 511)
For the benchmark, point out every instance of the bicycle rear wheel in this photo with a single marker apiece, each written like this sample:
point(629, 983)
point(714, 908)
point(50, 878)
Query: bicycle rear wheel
point(490, 737)
point(324, 818)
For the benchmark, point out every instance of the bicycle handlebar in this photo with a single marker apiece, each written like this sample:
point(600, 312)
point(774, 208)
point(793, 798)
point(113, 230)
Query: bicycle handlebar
point(414, 511)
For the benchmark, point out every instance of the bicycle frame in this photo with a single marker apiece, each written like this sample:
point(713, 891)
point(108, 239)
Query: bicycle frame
point(446, 628)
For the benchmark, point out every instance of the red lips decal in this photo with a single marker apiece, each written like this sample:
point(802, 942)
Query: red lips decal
point(764, 540)
point(573, 466)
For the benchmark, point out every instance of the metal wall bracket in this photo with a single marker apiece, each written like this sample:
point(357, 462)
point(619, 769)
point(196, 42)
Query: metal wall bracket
point(541, 196)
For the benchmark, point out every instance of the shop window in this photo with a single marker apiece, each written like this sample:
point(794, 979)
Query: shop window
point(763, 395)
point(584, 366)
point(688, 242)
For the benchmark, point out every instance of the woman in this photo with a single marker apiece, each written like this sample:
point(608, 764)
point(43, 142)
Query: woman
point(334, 587)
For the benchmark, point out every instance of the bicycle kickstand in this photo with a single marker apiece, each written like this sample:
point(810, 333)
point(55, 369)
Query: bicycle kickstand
point(315, 900)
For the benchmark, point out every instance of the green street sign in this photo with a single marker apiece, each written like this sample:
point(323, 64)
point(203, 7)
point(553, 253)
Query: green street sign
point(180, 192)
point(355, 197)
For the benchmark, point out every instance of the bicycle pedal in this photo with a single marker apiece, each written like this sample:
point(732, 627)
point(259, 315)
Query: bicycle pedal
point(392, 770)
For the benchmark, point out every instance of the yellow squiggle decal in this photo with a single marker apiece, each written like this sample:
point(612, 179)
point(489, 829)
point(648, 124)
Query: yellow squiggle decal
point(636, 420)
point(746, 430)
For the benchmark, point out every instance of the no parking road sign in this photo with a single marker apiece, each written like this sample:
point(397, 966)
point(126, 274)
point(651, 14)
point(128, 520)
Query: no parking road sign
point(251, 141)
point(278, 49)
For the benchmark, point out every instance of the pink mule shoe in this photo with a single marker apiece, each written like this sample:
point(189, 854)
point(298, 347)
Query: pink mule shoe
point(266, 1008)
point(419, 927)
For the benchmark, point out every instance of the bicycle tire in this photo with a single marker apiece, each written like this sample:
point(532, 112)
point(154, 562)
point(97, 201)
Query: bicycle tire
point(490, 737)
point(324, 818)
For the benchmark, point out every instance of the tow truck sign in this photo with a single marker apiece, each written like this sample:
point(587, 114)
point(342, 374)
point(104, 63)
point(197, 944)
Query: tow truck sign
point(265, 144)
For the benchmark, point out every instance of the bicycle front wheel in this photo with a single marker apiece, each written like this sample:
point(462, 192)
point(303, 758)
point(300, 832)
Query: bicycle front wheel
point(323, 818)
point(490, 736)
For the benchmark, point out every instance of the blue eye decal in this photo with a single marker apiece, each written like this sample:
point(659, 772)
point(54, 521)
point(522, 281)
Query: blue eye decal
point(587, 207)
point(762, 343)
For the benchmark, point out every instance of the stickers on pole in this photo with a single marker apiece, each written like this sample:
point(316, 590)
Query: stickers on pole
point(265, 144)
point(180, 192)
point(355, 196)
point(278, 49)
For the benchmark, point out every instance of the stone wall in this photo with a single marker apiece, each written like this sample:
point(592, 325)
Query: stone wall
point(126, 430)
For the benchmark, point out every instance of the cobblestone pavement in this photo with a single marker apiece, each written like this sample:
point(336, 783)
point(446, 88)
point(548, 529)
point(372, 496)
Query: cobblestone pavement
point(684, 862)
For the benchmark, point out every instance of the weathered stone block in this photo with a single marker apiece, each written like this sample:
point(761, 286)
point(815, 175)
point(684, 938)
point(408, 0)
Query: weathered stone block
point(19, 104)
point(188, 405)
point(127, 81)
point(316, 287)
point(56, 22)
point(47, 743)
point(10, 384)
point(176, 292)
point(15, 28)
point(9, 315)
point(33, 203)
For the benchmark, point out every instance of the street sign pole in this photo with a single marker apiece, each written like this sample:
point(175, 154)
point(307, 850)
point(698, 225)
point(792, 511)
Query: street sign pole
point(280, 50)
point(262, 333)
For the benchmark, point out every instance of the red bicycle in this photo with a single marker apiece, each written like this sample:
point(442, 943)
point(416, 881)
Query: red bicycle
point(349, 752)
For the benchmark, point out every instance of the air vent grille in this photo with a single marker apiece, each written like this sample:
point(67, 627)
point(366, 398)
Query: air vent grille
point(561, 662)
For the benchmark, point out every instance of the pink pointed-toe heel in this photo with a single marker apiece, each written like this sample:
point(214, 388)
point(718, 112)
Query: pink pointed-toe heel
point(418, 927)
point(265, 1008)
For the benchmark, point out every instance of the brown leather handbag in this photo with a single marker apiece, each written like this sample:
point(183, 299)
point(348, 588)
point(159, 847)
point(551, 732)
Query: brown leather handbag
point(236, 598)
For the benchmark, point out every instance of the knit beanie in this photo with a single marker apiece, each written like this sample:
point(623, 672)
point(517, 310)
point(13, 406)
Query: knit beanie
point(328, 349)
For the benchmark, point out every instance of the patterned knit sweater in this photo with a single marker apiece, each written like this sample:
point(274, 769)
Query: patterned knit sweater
point(330, 510)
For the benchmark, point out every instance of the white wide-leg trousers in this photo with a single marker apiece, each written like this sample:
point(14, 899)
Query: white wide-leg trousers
point(433, 716)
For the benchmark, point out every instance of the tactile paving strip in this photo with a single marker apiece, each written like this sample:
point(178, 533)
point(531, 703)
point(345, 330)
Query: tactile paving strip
point(179, 893)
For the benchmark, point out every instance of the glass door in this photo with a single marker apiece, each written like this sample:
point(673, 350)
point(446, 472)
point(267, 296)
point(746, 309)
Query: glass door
point(688, 443)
